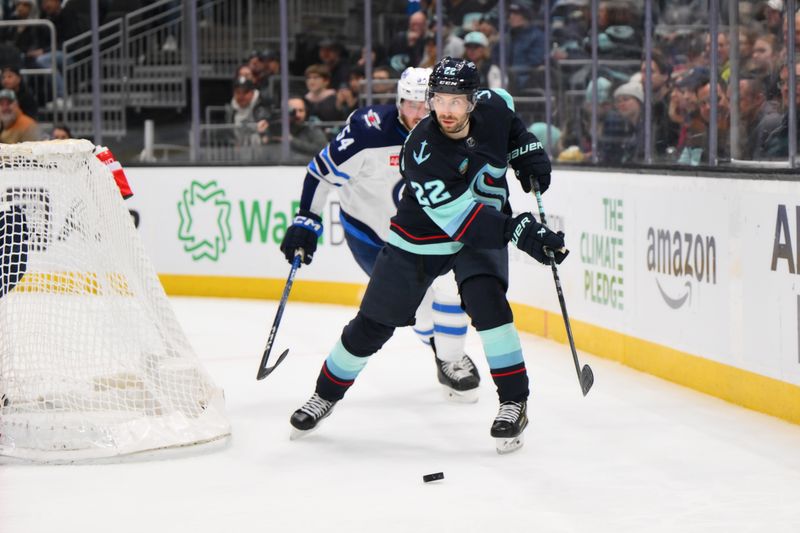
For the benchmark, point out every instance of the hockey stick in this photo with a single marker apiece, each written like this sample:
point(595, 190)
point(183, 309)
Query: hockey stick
point(263, 369)
point(585, 375)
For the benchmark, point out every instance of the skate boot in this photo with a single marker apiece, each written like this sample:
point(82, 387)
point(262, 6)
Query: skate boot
point(467, 363)
point(459, 383)
point(307, 418)
point(511, 421)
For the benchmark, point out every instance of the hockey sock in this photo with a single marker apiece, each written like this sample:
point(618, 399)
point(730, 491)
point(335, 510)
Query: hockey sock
point(504, 354)
point(449, 327)
point(423, 326)
point(338, 373)
point(361, 338)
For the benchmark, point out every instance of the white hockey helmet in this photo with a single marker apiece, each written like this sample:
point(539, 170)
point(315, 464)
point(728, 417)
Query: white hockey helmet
point(413, 85)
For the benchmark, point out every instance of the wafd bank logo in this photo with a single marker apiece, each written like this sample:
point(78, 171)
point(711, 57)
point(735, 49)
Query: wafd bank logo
point(205, 214)
point(680, 261)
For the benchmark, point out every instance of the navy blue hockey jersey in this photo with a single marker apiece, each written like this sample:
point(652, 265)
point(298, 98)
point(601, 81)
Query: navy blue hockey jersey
point(456, 192)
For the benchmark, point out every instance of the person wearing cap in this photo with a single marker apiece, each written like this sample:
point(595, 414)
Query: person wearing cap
point(773, 16)
point(15, 126)
point(488, 26)
point(12, 79)
point(250, 112)
point(262, 65)
point(305, 139)
point(476, 49)
point(451, 43)
point(621, 139)
point(525, 49)
point(332, 55)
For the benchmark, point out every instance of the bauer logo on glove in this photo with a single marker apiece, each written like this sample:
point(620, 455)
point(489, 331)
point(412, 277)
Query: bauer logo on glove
point(536, 240)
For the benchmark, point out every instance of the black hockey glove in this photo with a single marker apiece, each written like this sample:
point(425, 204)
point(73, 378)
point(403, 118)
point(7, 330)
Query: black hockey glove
point(536, 239)
point(531, 161)
point(303, 233)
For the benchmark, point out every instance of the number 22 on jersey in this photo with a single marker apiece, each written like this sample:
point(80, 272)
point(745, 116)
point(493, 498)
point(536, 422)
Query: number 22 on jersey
point(431, 193)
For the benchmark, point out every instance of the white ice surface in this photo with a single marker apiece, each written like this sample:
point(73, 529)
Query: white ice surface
point(638, 454)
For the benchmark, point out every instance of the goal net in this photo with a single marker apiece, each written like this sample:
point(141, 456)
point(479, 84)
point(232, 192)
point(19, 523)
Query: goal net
point(93, 363)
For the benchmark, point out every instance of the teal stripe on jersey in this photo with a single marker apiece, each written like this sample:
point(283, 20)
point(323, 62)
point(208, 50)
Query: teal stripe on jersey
point(502, 346)
point(505, 95)
point(439, 248)
point(343, 364)
point(451, 215)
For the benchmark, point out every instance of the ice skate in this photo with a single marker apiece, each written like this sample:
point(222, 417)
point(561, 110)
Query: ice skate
point(511, 421)
point(307, 418)
point(459, 382)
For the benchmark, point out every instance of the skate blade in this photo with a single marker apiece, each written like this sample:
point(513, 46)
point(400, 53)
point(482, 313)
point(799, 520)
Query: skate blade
point(508, 445)
point(457, 396)
point(297, 434)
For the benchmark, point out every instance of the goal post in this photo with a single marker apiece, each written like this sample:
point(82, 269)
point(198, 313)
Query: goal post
point(93, 362)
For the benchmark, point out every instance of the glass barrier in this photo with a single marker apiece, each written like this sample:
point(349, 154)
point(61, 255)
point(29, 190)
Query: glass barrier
point(601, 82)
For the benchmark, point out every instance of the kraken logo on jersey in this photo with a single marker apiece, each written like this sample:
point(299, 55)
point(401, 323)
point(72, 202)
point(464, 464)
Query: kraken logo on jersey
point(420, 157)
point(483, 190)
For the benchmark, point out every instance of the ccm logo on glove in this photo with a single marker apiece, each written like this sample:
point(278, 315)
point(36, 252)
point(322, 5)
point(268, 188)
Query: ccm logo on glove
point(302, 234)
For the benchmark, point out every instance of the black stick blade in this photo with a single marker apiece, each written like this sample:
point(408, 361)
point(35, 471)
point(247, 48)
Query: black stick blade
point(267, 370)
point(587, 379)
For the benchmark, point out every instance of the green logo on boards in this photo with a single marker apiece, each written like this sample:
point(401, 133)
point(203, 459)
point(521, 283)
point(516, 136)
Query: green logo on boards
point(205, 228)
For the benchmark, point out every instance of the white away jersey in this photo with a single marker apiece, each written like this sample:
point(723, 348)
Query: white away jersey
point(363, 164)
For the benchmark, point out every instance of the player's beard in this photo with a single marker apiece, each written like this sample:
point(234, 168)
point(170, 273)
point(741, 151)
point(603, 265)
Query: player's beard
point(455, 127)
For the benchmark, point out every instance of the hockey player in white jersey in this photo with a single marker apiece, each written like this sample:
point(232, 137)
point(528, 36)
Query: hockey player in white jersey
point(362, 165)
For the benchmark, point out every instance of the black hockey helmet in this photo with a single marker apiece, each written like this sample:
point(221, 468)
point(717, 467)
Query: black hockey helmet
point(454, 76)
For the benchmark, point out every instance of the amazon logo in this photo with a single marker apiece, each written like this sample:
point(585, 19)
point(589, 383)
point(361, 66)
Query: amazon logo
point(681, 260)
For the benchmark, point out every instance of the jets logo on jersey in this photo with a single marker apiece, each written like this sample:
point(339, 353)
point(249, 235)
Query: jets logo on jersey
point(394, 160)
point(372, 119)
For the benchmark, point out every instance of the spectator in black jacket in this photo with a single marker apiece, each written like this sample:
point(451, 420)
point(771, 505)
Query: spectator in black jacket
point(26, 38)
point(12, 79)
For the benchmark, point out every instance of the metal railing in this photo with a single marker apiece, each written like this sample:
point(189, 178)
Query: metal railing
point(76, 104)
point(41, 81)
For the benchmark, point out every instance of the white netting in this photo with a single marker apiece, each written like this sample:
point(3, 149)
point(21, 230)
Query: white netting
point(93, 363)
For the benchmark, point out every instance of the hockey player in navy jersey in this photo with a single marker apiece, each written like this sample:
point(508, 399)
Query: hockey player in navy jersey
point(454, 215)
point(363, 165)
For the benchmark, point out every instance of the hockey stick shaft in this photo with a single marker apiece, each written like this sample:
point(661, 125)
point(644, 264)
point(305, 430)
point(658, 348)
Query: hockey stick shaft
point(263, 370)
point(585, 375)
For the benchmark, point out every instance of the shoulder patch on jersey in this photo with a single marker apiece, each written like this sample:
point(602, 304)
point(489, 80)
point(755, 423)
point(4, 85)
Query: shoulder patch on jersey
point(372, 119)
point(506, 96)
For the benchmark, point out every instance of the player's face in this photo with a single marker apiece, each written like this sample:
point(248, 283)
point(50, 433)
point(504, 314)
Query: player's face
point(452, 112)
point(412, 112)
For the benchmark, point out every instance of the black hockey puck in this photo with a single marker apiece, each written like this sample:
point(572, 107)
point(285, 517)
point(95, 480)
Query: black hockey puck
point(427, 478)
